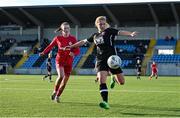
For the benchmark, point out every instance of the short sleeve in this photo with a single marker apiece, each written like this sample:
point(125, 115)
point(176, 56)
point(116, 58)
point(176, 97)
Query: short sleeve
point(91, 38)
point(113, 31)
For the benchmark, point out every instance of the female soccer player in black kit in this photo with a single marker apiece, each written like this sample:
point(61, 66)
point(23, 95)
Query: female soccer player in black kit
point(49, 67)
point(104, 41)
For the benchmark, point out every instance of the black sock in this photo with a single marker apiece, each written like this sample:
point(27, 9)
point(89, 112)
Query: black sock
point(45, 76)
point(50, 77)
point(104, 92)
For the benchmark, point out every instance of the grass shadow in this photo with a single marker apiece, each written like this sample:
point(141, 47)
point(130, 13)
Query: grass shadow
point(163, 109)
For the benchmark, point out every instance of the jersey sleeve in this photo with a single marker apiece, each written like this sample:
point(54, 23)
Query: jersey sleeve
point(90, 39)
point(113, 31)
point(50, 46)
point(76, 51)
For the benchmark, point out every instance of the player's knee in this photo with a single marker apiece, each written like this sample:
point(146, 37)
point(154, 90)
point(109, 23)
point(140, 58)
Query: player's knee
point(102, 80)
point(67, 75)
point(60, 78)
point(62, 85)
point(121, 81)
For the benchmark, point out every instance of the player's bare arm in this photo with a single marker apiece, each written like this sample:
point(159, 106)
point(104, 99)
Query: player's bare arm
point(78, 44)
point(127, 33)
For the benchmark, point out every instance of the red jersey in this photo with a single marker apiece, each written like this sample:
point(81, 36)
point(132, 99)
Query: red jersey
point(63, 57)
point(154, 67)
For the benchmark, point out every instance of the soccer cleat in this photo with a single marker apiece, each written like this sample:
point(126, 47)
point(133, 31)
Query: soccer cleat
point(112, 84)
point(43, 78)
point(104, 105)
point(53, 96)
point(57, 99)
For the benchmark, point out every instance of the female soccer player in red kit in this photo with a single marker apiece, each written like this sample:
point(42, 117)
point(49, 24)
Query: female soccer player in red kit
point(154, 70)
point(64, 58)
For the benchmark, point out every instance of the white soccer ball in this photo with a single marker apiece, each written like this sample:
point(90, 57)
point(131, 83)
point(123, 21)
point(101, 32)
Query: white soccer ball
point(114, 61)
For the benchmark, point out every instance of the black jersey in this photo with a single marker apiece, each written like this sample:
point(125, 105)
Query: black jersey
point(138, 67)
point(104, 42)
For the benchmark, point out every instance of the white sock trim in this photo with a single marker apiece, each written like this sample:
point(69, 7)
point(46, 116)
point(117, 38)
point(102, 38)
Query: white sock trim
point(103, 90)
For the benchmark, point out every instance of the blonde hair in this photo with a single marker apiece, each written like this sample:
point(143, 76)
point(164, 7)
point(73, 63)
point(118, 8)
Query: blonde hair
point(101, 18)
point(59, 29)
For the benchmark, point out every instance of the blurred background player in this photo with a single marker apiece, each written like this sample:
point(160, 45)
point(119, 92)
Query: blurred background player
point(154, 71)
point(49, 67)
point(138, 67)
point(64, 58)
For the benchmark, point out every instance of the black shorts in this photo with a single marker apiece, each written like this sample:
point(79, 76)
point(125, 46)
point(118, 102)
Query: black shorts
point(138, 69)
point(101, 65)
point(49, 69)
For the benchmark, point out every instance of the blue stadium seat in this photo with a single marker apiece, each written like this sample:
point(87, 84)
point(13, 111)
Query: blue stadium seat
point(129, 48)
point(30, 61)
point(164, 42)
point(166, 58)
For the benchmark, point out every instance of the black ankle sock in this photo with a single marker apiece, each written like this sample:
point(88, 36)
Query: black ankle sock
point(50, 77)
point(45, 76)
point(104, 92)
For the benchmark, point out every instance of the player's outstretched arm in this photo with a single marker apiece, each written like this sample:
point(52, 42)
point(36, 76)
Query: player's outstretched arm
point(127, 33)
point(78, 44)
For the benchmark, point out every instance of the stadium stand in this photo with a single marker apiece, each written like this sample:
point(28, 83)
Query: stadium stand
point(129, 48)
point(27, 43)
point(30, 61)
point(10, 59)
point(90, 62)
point(44, 44)
point(34, 61)
point(39, 61)
point(161, 42)
point(5, 45)
point(13, 56)
point(166, 58)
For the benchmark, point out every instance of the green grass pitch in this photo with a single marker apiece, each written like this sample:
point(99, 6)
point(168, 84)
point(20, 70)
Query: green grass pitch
point(29, 96)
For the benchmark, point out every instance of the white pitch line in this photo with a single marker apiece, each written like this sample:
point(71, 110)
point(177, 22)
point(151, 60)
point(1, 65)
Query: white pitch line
point(89, 90)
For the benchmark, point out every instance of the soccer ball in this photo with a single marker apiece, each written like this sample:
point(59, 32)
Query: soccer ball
point(114, 61)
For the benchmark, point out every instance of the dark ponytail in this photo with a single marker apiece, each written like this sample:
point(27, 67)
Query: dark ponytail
point(59, 29)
